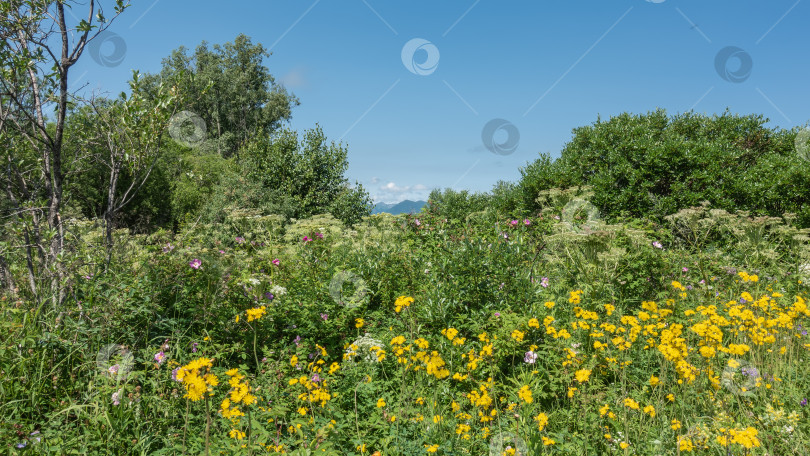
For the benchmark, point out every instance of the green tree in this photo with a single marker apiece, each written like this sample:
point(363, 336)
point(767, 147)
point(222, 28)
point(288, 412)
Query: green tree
point(295, 177)
point(37, 51)
point(230, 89)
point(126, 138)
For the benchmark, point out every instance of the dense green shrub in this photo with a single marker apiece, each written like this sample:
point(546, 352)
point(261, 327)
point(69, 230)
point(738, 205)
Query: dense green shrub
point(653, 165)
point(454, 205)
point(290, 176)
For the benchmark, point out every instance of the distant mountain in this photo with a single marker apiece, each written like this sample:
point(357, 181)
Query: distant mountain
point(403, 207)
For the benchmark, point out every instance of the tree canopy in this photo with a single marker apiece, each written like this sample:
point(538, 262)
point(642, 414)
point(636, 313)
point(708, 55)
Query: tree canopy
point(229, 87)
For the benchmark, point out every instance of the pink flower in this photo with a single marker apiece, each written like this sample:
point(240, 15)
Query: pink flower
point(527, 222)
point(159, 357)
point(240, 240)
point(195, 263)
point(276, 262)
point(657, 245)
point(514, 222)
point(685, 269)
point(221, 251)
point(319, 235)
point(307, 239)
point(417, 222)
point(530, 357)
point(544, 282)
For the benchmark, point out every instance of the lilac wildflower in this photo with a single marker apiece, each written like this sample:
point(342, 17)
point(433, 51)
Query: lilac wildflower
point(325, 316)
point(530, 357)
point(657, 245)
point(160, 357)
point(116, 397)
point(750, 372)
point(240, 240)
point(803, 402)
point(544, 282)
point(297, 340)
point(195, 263)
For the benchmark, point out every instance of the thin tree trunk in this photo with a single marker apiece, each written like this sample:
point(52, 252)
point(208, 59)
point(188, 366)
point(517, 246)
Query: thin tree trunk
point(109, 211)
point(7, 278)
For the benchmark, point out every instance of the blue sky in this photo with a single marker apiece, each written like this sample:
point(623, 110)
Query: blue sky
point(415, 122)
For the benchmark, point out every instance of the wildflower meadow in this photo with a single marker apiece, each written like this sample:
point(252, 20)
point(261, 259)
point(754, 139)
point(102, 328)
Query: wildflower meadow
point(423, 335)
point(183, 273)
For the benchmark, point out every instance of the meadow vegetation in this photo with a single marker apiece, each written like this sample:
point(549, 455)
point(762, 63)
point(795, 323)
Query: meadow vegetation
point(645, 293)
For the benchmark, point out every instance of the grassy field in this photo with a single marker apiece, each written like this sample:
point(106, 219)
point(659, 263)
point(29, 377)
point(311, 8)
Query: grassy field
point(553, 334)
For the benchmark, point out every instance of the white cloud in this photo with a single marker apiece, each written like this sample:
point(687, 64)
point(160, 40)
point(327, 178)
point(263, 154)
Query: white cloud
point(393, 193)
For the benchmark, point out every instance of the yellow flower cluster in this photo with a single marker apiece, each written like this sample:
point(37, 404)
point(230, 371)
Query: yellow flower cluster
point(403, 302)
point(525, 394)
point(239, 393)
point(481, 399)
point(744, 437)
point(256, 313)
point(582, 375)
point(197, 378)
point(542, 421)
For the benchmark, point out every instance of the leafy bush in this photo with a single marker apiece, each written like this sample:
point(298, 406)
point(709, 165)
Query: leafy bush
point(653, 165)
